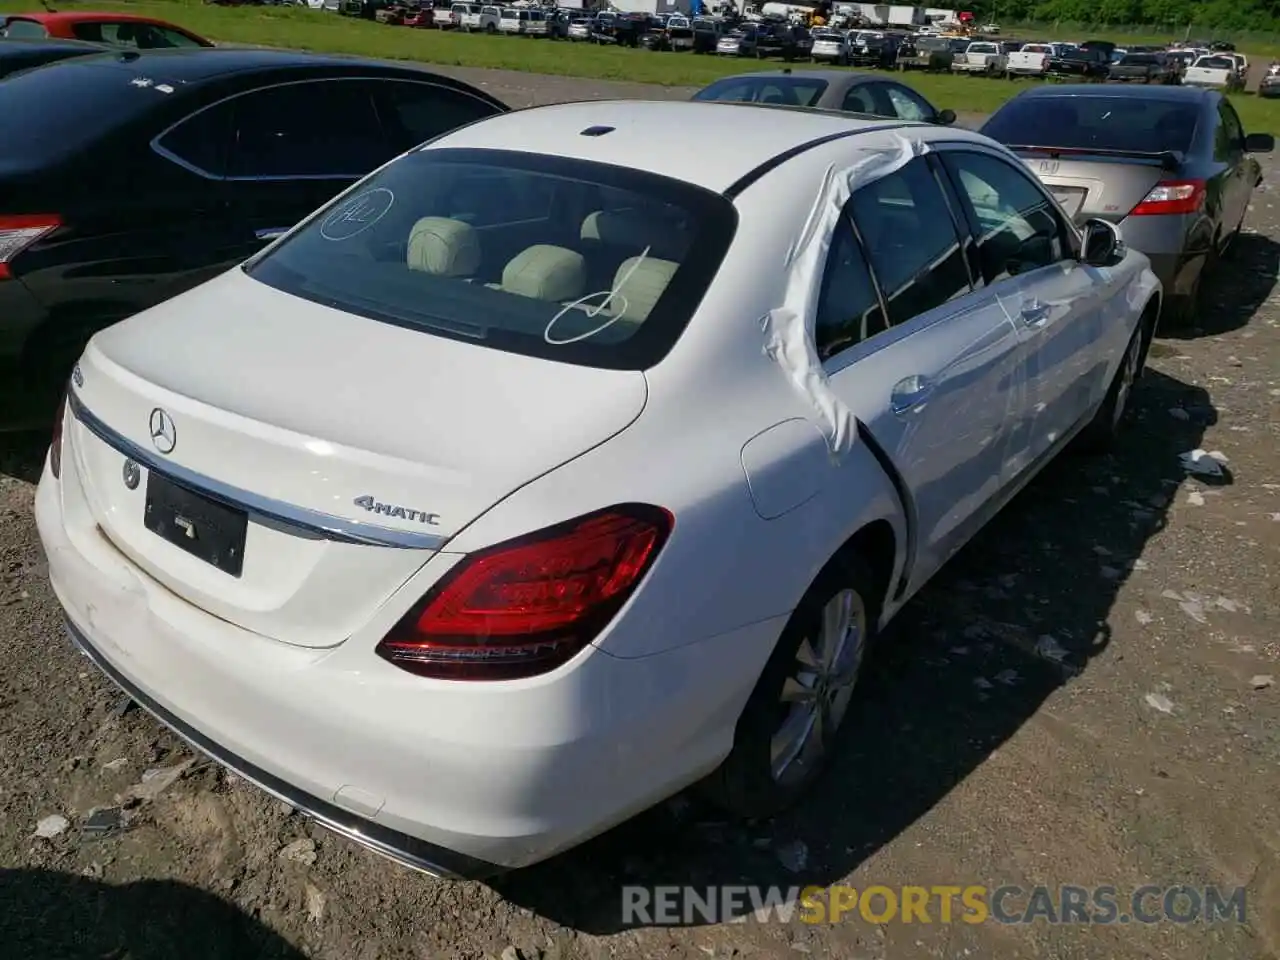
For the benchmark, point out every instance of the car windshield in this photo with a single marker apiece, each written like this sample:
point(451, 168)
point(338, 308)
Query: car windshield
point(1216, 63)
point(826, 35)
point(564, 259)
point(1137, 60)
point(1100, 123)
point(780, 90)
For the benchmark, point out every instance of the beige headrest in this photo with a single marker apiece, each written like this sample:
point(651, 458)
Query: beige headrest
point(626, 228)
point(545, 272)
point(639, 283)
point(447, 248)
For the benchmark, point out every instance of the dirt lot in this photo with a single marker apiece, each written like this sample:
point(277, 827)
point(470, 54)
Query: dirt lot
point(1139, 744)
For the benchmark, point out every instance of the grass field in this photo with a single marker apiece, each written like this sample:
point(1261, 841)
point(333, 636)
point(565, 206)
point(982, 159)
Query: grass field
point(300, 28)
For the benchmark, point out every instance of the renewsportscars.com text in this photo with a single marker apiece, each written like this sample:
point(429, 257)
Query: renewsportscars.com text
point(972, 904)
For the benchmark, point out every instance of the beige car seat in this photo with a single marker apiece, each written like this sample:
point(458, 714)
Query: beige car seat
point(639, 284)
point(444, 247)
point(546, 272)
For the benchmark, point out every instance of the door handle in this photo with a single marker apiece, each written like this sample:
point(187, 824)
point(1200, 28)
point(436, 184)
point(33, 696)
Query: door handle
point(1035, 316)
point(910, 394)
point(271, 233)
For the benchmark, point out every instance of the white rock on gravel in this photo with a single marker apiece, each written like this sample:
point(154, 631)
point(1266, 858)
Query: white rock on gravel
point(302, 850)
point(1158, 701)
point(51, 826)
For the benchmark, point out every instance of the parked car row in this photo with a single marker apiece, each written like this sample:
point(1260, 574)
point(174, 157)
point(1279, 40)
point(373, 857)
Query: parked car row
point(350, 480)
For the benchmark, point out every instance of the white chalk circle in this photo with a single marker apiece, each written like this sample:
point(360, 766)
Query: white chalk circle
point(358, 214)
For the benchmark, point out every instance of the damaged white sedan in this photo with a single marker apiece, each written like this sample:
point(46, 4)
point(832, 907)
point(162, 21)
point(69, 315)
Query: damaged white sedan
point(563, 463)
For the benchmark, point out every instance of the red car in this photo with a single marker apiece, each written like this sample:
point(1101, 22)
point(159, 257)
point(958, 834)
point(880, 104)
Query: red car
point(116, 29)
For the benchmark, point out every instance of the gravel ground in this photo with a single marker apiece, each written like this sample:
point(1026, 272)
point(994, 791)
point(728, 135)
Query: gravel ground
point(1139, 744)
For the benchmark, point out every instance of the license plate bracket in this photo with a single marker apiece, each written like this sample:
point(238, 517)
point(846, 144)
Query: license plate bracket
point(205, 528)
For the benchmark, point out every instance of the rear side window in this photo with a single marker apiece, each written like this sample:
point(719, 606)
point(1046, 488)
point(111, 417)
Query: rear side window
point(322, 129)
point(602, 266)
point(422, 111)
point(848, 307)
point(784, 91)
point(128, 33)
point(326, 129)
point(25, 30)
point(1147, 124)
point(910, 238)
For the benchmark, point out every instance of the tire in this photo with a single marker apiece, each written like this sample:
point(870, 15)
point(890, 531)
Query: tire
point(1104, 429)
point(757, 779)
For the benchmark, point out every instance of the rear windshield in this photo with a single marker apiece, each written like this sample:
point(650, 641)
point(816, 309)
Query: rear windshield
point(1137, 60)
point(782, 90)
point(565, 259)
point(1216, 63)
point(62, 108)
point(1102, 123)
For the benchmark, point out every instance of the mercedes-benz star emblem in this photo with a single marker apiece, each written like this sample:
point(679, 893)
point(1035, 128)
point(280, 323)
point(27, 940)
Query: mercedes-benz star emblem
point(164, 435)
point(132, 474)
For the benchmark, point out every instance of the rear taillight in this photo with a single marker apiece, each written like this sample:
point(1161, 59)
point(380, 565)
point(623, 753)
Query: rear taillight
point(526, 606)
point(19, 232)
point(1172, 196)
point(55, 442)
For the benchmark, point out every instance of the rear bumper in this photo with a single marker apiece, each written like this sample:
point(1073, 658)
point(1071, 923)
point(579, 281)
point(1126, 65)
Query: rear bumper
point(400, 847)
point(452, 778)
point(1168, 243)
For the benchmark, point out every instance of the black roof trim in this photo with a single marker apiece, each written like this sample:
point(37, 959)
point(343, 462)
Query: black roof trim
point(751, 176)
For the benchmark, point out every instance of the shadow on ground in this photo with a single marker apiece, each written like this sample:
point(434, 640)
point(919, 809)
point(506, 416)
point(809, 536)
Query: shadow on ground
point(1012, 618)
point(46, 915)
point(1232, 294)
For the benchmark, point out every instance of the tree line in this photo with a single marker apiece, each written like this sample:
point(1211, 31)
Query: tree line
point(1175, 15)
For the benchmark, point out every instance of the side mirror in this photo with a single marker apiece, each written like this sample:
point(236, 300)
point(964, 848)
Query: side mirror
point(1259, 143)
point(945, 117)
point(1102, 244)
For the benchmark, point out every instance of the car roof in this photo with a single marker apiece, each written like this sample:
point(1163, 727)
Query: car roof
point(849, 77)
point(17, 45)
point(719, 143)
point(192, 65)
point(85, 16)
point(1165, 93)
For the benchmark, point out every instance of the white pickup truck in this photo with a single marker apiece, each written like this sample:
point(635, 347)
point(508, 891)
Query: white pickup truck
point(1217, 70)
point(445, 18)
point(981, 56)
point(1030, 61)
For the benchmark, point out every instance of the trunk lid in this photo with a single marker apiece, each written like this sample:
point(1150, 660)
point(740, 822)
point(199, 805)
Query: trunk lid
point(307, 410)
point(1104, 185)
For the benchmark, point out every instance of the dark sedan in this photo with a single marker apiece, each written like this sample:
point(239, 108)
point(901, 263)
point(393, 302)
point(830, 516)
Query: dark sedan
point(131, 177)
point(18, 55)
point(844, 90)
point(1172, 166)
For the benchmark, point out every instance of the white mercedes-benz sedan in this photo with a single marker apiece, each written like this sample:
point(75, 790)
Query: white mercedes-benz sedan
point(565, 462)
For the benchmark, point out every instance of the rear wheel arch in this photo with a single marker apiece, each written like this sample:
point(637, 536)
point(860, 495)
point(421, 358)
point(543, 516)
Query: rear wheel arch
point(875, 546)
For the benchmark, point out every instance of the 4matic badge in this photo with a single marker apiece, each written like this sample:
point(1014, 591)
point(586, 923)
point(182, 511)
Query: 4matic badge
point(401, 513)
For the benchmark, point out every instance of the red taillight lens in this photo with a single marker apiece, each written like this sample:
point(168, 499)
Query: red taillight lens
point(1172, 196)
point(55, 442)
point(526, 606)
point(18, 233)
